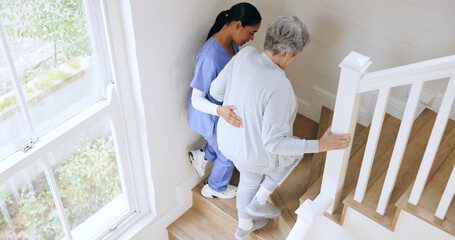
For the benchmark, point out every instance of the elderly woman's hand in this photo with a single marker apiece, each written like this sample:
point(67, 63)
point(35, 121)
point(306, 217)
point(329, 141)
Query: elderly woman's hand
point(330, 141)
point(229, 115)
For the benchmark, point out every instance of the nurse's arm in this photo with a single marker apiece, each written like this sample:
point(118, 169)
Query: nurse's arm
point(200, 102)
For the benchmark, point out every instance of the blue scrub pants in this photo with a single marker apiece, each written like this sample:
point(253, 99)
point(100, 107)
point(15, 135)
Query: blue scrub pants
point(222, 168)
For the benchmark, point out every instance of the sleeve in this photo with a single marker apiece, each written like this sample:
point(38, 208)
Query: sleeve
point(276, 124)
point(218, 86)
point(202, 104)
point(204, 72)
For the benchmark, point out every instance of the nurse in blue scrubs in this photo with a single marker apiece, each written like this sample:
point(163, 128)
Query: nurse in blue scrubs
point(232, 28)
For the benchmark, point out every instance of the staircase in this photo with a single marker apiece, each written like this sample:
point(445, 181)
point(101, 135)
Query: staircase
point(439, 175)
point(392, 166)
point(217, 218)
point(402, 165)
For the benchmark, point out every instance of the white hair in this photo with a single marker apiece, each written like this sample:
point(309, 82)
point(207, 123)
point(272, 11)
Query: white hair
point(286, 34)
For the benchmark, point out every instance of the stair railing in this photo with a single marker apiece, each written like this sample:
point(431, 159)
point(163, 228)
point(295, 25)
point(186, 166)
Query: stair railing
point(353, 82)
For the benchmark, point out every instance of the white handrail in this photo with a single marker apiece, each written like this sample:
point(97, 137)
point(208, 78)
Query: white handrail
point(413, 73)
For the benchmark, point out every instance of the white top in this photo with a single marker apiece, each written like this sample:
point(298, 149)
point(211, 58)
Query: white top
point(266, 102)
point(201, 103)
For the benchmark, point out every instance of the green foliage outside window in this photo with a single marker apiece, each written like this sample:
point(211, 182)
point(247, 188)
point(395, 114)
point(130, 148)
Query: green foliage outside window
point(87, 180)
point(61, 22)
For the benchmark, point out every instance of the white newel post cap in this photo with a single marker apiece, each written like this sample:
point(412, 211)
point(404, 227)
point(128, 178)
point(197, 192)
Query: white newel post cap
point(356, 61)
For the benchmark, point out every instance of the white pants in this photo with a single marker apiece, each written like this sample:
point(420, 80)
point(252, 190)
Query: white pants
point(250, 182)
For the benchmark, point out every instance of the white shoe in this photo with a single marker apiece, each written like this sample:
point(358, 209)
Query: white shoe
point(198, 161)
point(229, 192)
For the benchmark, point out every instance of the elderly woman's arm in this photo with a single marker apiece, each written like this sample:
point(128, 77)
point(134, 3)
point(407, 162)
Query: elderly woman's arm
point(276, 124)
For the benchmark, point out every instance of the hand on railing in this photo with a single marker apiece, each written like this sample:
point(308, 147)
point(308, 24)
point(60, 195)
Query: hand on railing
point(330, 141)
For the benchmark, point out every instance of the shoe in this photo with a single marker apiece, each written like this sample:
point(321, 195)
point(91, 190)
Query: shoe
point(266, 210)
point(258, 224)
point(198, 161)
point(230, 192)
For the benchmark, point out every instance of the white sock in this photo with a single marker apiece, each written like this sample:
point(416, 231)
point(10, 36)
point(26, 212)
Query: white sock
point(262, 195)
point(245, 223)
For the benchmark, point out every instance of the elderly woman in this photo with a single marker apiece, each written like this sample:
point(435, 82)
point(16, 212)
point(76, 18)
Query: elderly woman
point(264, 150)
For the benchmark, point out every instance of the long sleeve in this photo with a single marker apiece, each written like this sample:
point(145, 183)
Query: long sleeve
point(276, 125)
point(200, 102)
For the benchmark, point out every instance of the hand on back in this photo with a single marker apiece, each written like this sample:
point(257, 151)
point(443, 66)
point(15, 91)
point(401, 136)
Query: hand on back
point(228, 114)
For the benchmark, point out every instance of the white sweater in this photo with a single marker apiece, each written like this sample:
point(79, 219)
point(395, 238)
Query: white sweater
point(266, 102)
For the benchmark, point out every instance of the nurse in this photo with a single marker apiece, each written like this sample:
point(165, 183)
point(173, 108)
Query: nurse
point(232, 28)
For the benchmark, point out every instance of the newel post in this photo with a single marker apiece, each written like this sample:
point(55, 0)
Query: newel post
point(353, 67)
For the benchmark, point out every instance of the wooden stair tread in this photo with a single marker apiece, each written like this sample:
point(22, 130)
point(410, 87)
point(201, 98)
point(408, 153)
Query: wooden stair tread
point(225, 211)
point(417, 141)
point(175, 233)
point(195, 224)
point(434, 189)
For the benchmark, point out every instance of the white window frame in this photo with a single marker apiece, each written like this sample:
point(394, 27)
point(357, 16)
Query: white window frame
point(110, 51)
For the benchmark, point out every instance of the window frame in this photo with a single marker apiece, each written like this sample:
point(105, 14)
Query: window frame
point(109, 49)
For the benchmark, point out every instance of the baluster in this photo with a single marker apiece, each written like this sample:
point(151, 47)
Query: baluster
point(372, 143)
point(447, 197)
point(400, 146)
point(433, 143)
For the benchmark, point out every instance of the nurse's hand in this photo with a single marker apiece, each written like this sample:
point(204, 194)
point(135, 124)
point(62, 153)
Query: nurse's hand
point(228, 114)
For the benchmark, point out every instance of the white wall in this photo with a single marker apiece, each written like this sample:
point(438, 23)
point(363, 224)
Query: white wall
point(358, 227)
point(168, 35)
point(390, 32)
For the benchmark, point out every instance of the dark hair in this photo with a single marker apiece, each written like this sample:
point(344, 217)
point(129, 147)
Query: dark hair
point(243, 12)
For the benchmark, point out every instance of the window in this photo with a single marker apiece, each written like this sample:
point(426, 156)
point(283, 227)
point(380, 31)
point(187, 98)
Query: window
point(65, 170)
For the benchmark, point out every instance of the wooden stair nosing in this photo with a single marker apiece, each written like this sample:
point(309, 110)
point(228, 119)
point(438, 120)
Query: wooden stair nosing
point(175, 233)
point(197, 226)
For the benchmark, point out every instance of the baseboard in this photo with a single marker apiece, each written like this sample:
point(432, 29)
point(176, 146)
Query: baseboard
point(304, 107)
point(184, 202)
point(321, 97)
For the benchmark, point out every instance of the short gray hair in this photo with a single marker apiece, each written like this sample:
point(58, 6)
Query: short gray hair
point(286, 34)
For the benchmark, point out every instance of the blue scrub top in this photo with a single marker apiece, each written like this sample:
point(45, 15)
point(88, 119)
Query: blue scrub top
point(210, 60)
